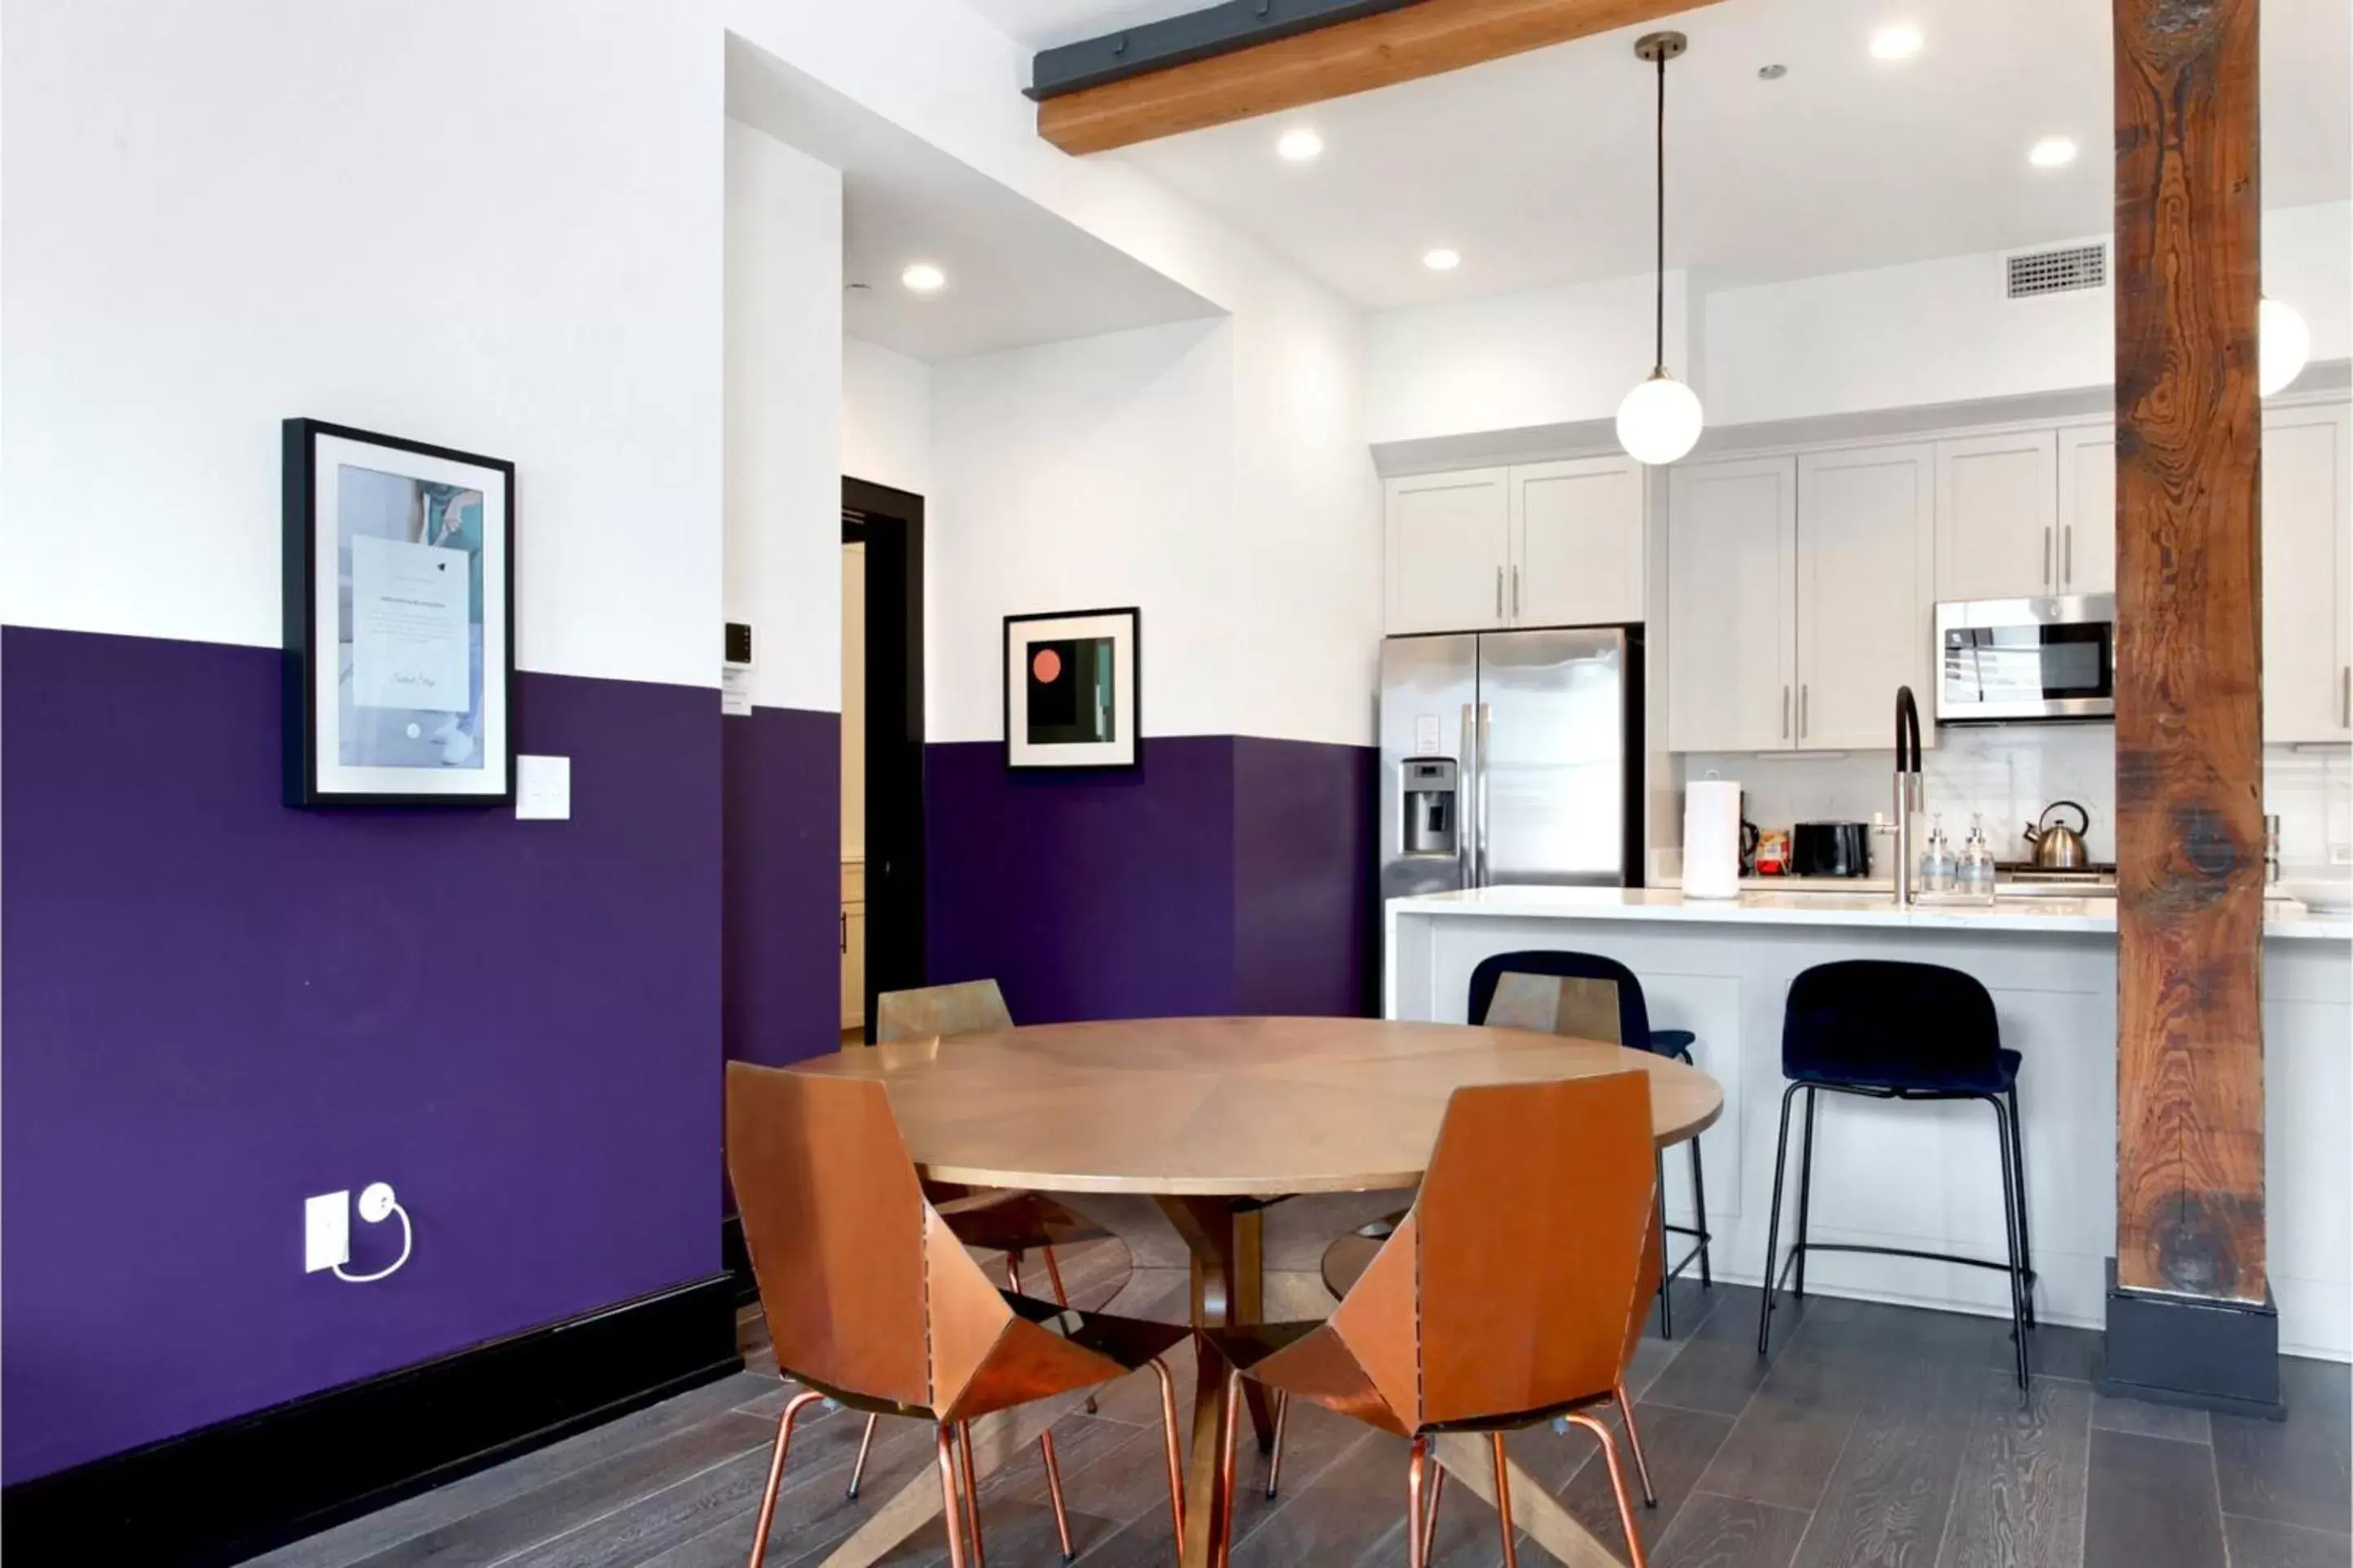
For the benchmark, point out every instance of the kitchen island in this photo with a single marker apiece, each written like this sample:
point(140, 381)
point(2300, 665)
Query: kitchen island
point(1925, 1175)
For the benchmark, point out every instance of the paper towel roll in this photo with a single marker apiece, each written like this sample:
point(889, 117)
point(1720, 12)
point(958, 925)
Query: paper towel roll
point(1712, 839)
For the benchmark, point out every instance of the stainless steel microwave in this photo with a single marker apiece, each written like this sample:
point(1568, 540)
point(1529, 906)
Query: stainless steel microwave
point(2026, 659)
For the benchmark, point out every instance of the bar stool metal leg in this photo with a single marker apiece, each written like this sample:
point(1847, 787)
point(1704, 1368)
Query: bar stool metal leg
point(1699, 1216)
point(1666, 1276)
point(1805, 1189)
point(2012, 1223)
point(1773, 1225)
point(2018, 1162)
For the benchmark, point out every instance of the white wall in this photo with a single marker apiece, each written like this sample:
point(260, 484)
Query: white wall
point(784, 369)
point(1895, 337)
point(1548, 356)
point(491, 230)
point(1073, 476)
point(886, 416)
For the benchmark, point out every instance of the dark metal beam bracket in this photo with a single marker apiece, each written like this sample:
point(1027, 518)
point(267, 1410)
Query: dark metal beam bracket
point(1196, 36)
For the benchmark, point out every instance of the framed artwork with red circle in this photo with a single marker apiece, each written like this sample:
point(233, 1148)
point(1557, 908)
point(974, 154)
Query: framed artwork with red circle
point(1072, 681)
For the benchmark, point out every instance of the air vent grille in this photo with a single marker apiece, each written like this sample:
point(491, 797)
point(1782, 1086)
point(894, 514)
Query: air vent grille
point(2077, 267)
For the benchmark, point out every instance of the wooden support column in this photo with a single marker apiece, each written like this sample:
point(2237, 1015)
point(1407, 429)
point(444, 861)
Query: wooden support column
point(2189, 850)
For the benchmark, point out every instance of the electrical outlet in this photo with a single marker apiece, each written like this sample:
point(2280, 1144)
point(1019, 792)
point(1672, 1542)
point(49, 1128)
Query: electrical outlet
point(326, 1231)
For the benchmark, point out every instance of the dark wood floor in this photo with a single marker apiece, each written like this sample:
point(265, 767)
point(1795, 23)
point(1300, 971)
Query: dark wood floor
point(1874, 1435)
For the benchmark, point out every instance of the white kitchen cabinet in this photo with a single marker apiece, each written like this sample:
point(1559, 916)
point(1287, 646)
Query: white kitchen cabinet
point(2307, 554)
point(1577, 543)
point(1449, 551)
point(2087, 510)
point(1732, 551)
point(1866, 592)
point(1998, 516)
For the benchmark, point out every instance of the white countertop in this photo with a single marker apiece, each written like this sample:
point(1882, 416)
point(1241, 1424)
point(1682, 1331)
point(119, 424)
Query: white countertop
point(2283, 919)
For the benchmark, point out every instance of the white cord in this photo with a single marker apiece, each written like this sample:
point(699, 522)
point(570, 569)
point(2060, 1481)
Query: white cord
point(408, 1238)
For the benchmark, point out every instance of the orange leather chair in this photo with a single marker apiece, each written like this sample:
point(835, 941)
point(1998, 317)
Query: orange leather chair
point(1513, 1292)
point(991, 1218)
point(871, 1299)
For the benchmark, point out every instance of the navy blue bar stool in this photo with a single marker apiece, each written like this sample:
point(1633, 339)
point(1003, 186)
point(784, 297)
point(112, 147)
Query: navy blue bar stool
point(1634, 1030)
point(1884, 1030)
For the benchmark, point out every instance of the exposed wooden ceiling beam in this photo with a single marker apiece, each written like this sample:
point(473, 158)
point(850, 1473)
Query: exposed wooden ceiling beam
point(1333, 61)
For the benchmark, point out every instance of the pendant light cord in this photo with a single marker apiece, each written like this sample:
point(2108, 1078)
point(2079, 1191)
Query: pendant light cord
point(1660, 208)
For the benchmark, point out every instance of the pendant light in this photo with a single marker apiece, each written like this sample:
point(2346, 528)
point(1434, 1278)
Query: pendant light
point(2283, 343)
point(1659, 420)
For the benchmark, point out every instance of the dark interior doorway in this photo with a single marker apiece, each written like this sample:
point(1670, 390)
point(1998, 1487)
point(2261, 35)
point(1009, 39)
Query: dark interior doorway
point(891, 524)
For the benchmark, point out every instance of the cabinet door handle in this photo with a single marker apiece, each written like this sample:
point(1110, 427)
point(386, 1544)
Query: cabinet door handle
point(2349, 696)
point(845, 931)
point(1499, 592)
point(2046, 558)
point(1515, 593)
point(2068, 550)
point(1784, 712)
point(1805, 710)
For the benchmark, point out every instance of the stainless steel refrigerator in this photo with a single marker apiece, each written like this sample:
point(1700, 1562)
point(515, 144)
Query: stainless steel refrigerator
point(1511, 757)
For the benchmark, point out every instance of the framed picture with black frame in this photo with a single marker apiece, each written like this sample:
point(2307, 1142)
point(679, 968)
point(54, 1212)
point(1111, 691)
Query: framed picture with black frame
point(398, 561)
point(1074, 688)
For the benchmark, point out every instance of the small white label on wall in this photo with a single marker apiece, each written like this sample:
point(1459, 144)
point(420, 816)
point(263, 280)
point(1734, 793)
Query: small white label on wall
point(735, 693)
point(1429, 736)
point(543, 789)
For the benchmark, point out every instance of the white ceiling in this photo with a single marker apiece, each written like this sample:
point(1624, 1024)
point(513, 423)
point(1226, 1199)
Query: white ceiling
point(1538, 168)
point(1017, 273)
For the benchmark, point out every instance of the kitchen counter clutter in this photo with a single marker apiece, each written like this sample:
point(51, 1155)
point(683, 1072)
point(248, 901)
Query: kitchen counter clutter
point(1868, 905)
point(1923, 1175)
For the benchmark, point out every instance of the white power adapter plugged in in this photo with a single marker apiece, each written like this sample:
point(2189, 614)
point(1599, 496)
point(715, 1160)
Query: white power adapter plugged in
point(326, 1228)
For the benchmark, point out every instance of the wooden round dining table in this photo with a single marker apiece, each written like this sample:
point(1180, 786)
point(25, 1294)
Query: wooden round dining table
point(1212, 1118)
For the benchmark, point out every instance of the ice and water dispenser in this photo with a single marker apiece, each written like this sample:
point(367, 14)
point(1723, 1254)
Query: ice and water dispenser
point(1431, 819)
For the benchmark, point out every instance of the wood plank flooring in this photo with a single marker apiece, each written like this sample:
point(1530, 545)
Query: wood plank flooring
point(1874, 1435)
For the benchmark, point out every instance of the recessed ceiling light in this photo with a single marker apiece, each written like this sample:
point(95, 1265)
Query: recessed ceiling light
point(1773, 72)
point(1299, 146)
point(923, 277)
point(1899, 42)
point(1442, 259)
point(2052, 152)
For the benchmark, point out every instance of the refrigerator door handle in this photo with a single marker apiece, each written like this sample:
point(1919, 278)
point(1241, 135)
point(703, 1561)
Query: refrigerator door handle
point(1486, 734)
point(1466, 810)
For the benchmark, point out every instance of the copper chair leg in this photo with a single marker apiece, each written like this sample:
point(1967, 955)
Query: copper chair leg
point(1054, 1493)
point(1430, 1514)
point(1274, 1462)
point(1634, 1442)
point(952, 1509)
point(1061, 1299)
point(1416, 1473)
point(865, 1445)
point(971, 1494)
point(1175, 1460)
point(1634, 1554)
point(1222, 1510)
point(800, 1403)
point(1503, 1500)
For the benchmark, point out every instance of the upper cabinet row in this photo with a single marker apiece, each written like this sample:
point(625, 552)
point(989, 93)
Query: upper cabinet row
point(1801, 591)
point(1539, 544)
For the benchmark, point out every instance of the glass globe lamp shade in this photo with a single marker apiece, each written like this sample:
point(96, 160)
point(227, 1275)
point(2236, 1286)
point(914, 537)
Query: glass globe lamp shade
point(2282, 345)
point(1659, 420)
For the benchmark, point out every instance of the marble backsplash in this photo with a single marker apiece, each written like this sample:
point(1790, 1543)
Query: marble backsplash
point(2010, 772)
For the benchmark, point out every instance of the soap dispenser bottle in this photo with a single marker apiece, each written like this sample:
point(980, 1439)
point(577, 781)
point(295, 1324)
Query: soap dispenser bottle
point(1977, 864)
point(1937, 866)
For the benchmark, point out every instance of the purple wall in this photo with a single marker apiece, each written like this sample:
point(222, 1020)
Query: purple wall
point(1227, 874)
point(782, 885)
point(215, 1005)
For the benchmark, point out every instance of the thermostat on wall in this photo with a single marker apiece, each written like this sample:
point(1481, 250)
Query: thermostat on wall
point(739, 645)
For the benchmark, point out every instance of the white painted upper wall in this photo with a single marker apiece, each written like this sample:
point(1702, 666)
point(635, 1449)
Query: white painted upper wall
point(1545, 356)
point(1084, 474)
point(491, 228)
point(886, 417)
point(782, 495)
point(1897, 337)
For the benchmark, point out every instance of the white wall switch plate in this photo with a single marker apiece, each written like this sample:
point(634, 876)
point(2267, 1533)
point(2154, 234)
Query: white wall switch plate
point(543, 789)
point(326, 1231)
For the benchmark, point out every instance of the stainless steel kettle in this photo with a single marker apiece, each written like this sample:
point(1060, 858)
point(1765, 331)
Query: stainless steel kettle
point(2057, 846)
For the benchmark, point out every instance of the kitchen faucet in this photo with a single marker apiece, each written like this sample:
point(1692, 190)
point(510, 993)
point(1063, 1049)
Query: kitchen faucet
point(1910, 789)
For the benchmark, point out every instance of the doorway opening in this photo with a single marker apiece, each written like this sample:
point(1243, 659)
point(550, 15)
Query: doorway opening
point(882, 749)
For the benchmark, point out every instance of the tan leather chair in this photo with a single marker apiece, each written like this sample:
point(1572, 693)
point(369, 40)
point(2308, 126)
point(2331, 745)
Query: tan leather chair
point(872, 1300)
point(1513, 1292)
point(991, 1218)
